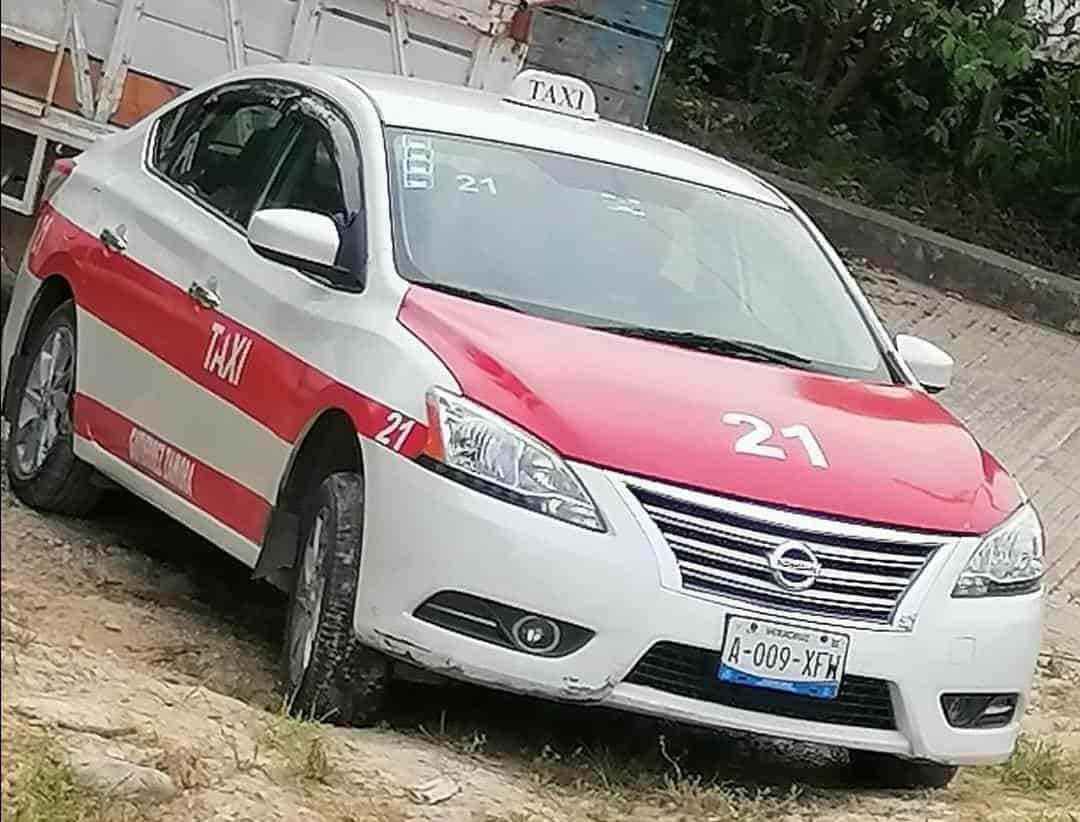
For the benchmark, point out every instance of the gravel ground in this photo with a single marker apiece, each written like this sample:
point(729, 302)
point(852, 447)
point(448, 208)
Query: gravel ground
point(139, 685)
point(139, 671)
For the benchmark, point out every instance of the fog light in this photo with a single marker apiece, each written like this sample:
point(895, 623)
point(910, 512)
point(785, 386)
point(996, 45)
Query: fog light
point(536, 634)
point(979, 710)
point(505, 625)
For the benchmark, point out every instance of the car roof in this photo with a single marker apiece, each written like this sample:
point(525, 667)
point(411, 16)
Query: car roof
point(441, 107)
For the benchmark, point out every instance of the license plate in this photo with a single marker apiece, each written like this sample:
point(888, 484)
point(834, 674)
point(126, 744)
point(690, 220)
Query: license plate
point(788, 658)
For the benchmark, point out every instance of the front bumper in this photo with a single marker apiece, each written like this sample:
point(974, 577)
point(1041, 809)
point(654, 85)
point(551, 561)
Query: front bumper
point(425, 534)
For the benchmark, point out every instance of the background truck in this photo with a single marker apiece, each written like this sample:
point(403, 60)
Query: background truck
point(73, 70)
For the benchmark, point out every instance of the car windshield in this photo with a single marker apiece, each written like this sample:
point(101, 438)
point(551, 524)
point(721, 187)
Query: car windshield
point(610, 247)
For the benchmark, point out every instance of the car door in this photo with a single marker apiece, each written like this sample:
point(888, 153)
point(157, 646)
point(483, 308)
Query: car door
point(276, 333)
point(299, 323)
point(167, 385)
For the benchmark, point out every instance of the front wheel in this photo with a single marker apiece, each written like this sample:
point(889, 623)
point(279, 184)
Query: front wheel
point(887, 771)
point(329, 675)
point(41, 462)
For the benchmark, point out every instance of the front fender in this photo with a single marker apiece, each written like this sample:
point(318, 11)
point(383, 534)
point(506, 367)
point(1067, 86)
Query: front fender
point(49, 274)
point(25, 302)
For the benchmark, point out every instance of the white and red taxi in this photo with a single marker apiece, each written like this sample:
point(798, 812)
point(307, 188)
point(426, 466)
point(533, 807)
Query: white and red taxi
point(514, 395)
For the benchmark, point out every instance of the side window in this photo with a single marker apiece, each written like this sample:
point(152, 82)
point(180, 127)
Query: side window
point(320, 171)
point(167, 133)
point(221, 147)
point(309, 178)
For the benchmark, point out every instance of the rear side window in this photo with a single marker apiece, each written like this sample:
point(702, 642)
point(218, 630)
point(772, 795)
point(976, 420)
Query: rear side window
point(221, 148)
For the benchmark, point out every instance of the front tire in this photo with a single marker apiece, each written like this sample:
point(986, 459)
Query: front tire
point(881, 770)
point(329, 675)
point(41, 463)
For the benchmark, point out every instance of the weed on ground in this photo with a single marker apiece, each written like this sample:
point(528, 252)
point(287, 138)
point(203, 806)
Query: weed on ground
point(1039, 766)
point(44, 790)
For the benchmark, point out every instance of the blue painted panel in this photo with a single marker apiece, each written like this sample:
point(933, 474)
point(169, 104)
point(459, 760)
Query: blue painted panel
point(596, 53)
point(649, 17)
point(617, 46)
point(620, 107)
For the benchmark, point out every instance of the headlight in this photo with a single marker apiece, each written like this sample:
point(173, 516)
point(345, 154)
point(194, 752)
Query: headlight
point(1008, 561)
point(474, 441)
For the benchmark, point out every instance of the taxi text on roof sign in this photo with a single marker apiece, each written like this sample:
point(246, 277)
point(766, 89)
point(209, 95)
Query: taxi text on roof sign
point(554, 92)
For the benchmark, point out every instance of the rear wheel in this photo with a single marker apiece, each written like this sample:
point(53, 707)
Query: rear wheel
point(887, 771)
point(41, 462)
point(329, 675)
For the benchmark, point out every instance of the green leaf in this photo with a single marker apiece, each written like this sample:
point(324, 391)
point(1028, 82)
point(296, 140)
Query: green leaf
point(948, 46)
point(984, 80)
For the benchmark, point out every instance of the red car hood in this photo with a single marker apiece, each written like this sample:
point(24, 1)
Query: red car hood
point(894, 455)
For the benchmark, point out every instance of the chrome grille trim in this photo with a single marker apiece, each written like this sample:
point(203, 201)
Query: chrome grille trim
point(682, 546)
point(856, 555)
point(811, 596)
point(721, 548)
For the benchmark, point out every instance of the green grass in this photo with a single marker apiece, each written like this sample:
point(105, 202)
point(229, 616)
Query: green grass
point(302, 743)
point(45, 790)
point(621, 775)
point(1039, 766)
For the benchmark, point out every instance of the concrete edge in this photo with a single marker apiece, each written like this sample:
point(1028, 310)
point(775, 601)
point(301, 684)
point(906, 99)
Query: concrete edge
point(979, 274)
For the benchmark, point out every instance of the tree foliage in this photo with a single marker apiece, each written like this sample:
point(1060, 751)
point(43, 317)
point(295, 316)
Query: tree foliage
point(955, 82)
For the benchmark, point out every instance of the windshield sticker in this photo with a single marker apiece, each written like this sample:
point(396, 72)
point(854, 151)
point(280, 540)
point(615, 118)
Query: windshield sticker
point(623, 205)
point(470, 185)
point(418, 162)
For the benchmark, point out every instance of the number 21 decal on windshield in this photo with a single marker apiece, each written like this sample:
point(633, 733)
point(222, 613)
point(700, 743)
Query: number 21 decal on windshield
point(470, 185)
point(756, 441)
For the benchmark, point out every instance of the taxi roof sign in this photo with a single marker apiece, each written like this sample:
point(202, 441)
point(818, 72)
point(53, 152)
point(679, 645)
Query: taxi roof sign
point(554, 92)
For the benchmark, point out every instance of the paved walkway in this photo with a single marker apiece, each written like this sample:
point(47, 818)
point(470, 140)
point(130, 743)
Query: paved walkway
point(1017, 387)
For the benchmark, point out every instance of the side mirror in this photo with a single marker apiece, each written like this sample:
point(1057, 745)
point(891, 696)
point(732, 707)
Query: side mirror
point(301, 239)
point(932, 367)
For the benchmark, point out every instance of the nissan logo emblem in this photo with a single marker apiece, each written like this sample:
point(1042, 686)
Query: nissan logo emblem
point(794, 566)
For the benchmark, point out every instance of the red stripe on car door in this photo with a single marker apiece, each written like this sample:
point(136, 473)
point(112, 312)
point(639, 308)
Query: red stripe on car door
point(277, 388)
point(220, 496)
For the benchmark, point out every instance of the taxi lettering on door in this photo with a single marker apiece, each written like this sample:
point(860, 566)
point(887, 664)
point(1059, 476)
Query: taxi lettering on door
point(227, 354)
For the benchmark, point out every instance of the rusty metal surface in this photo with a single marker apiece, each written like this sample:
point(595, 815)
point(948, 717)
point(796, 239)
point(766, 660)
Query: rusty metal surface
point(487, 16)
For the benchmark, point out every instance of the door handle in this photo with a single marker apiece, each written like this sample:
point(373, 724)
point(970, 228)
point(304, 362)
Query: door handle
point(206, 294)
point(114, 239)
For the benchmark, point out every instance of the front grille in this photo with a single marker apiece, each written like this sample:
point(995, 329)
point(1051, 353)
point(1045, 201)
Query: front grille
point(723, 548)
point(692, 672)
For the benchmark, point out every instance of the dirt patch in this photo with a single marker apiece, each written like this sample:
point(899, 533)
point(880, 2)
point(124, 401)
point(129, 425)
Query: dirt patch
point(139, 684)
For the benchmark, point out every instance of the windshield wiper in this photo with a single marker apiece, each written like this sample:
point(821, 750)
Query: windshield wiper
point(469, 294)
point(740, 349)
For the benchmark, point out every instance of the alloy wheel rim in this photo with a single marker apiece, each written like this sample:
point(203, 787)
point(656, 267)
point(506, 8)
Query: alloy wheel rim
point(308, 600)
point(45, 406)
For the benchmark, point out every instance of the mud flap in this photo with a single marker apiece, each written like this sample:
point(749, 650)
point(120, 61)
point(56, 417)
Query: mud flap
point(281, 544)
